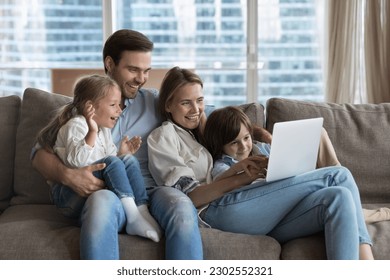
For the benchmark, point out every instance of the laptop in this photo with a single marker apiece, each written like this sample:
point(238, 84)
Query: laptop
point(294, 148)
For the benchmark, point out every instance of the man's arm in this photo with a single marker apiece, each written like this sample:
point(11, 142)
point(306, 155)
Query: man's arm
point(81, 180)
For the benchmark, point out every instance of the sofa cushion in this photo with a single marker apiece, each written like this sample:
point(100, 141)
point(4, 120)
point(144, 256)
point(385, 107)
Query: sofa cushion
point(359, 133)
point(9, 118)
point(221, 245)
point(255, 112)
point(305, 248)
point(38, 107)
point(40, 232)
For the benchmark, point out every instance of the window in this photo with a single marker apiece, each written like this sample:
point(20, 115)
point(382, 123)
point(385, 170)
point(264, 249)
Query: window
point(43, 34)
point(209, 36)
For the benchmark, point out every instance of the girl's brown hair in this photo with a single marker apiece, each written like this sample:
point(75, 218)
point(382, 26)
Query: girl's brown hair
point(87, 88)
point(222, 127)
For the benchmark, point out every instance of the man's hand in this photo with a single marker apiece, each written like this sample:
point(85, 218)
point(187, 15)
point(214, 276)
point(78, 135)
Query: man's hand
point(129, 146)
point(82, 181)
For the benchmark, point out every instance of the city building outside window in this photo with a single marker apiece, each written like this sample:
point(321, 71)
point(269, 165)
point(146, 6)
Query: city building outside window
point(209, 36)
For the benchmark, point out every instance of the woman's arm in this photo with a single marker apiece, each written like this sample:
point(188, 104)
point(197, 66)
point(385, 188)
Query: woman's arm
point(204, 194)
point(81, 180)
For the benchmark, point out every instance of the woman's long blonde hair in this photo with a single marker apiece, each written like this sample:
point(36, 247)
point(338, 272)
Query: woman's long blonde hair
point(87, 88)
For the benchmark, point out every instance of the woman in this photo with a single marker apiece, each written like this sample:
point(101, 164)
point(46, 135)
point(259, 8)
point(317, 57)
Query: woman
point(326, 199)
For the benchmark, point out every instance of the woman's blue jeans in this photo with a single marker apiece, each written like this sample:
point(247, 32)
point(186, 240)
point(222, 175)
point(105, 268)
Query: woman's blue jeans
point(326, 200)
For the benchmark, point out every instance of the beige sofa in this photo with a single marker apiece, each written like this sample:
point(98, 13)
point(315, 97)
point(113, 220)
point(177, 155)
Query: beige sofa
point(32, 228)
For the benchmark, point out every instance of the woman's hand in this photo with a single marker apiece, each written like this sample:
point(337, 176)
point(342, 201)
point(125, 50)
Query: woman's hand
point(129, 146)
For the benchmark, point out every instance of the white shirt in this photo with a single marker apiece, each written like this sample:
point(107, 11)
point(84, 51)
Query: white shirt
point(174, 153)
point(71, 147)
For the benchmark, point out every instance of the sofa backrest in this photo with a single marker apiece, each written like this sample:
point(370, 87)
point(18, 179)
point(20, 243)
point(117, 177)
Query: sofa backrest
point(38, 108)
point(9, 119)
point(359, 134)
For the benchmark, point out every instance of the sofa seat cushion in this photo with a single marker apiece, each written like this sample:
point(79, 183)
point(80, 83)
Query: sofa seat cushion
point(40, 232)
point(37, 232)
point(220, 245)
point(305, 248)
point(379, 233)
point(9, 119)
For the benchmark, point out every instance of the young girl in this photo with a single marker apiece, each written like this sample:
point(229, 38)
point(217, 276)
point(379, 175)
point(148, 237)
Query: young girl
point(80, 135)
point(228, 137)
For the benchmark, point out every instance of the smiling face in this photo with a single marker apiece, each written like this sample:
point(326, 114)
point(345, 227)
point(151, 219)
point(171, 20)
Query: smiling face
point(186, 105)
point(241, 146)
point(107, 109)
point(131, 72)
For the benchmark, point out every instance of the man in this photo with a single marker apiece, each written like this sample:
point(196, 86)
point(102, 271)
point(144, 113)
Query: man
point(127, 59)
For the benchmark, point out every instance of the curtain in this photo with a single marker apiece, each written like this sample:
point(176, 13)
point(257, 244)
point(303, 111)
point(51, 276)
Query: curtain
point(343, 63)
point(377, 53)
point(357, 61)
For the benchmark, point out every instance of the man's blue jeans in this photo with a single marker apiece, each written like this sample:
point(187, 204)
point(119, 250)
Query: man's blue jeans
point(102, 217)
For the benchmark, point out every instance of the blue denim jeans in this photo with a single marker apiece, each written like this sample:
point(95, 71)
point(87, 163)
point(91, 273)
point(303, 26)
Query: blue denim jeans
point(101, 218)
point(122, 175)
point(326, 200)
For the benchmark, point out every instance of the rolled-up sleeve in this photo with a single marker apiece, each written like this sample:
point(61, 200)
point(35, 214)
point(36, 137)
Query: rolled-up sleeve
point(186, 185)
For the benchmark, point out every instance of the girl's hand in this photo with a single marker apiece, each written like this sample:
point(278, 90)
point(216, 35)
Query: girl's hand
point(130, 146)
point(89, 113)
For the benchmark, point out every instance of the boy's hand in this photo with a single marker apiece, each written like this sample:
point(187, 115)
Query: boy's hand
point(253, 165)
